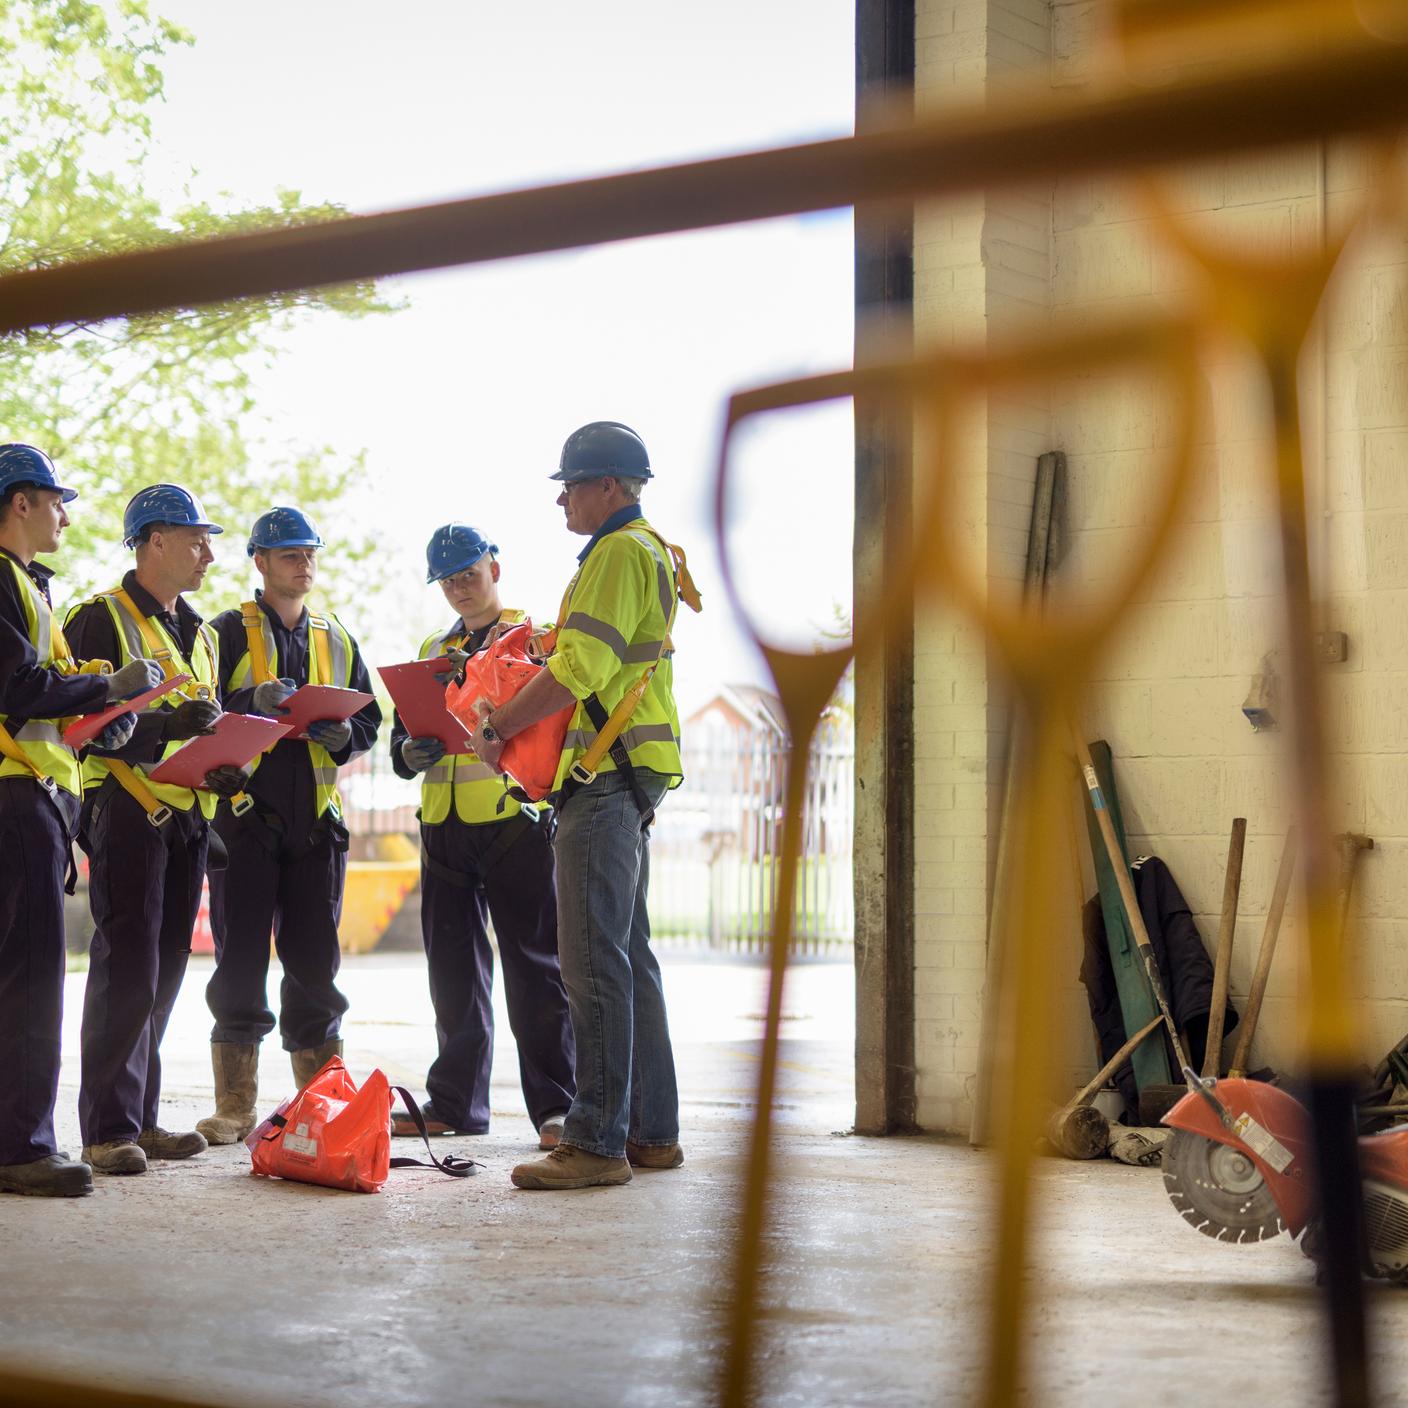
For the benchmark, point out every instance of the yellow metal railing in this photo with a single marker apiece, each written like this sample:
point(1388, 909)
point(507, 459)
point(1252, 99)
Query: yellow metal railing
point(1331, 75)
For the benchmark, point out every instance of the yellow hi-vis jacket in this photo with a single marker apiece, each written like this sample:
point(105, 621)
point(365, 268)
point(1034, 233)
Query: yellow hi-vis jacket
point(41, 740)
point(330, 654)
point(476, 789)
point(132, 633)
point(614, 618)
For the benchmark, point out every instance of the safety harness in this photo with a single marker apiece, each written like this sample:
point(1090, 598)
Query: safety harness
point(261, 671)
point(610, 727)
point(131, 782)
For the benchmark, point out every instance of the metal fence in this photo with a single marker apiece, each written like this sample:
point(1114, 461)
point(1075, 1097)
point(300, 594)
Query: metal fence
point(715, 841)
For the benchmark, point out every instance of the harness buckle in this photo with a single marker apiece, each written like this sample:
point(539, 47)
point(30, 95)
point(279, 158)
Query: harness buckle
point(241, 804)
point(580, 774)
point(159, 817)
point(48, 784)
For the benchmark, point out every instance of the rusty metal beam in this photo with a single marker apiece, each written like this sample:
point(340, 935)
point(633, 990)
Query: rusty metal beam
point(1018, 138)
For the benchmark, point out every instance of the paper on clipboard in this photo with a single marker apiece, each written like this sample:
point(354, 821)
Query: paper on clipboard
point(238, 739)
point(420, 700)
point(87, 727)
point(321, 703)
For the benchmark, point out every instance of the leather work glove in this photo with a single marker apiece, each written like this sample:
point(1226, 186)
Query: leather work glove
point(132, 679)
point(332, 734)
point(226, 781)
point(422, 753)
point(116, 733)
point(191, 719)
point(269, 697)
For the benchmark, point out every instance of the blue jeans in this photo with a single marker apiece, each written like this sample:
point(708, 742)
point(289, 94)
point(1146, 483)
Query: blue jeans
point(625, 1065)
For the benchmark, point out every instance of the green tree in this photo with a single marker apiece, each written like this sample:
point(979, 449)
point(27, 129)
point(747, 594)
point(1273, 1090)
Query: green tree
point(135, 401)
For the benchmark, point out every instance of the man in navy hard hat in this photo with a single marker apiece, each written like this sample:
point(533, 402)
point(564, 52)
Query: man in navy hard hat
point(482, 855)
point(613, 640)
point(283, 829)
point(41, 684)
point(147, 842)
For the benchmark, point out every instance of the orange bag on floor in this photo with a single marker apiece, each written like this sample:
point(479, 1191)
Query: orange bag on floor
point(491, 678)
point(336, 1135)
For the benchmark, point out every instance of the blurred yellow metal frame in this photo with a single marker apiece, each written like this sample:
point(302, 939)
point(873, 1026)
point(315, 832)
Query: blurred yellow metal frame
point(1355, 87)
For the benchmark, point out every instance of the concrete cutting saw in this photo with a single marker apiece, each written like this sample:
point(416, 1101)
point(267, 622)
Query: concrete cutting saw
point(1238, 1168)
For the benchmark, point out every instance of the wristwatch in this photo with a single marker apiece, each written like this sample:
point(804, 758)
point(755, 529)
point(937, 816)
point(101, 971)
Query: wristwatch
point(488, 732)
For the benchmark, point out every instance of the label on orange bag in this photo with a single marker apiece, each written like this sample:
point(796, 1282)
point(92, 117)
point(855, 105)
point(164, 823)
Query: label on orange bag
point(298, 1141)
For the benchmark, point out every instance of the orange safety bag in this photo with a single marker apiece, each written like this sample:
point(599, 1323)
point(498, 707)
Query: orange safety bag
point(337, 1135)
point(491, 678)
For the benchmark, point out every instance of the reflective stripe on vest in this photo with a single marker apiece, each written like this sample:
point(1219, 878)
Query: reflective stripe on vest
point(202, 667)
point(652, 743)
point(475, 790)
point(39, 742)
point(329, 662)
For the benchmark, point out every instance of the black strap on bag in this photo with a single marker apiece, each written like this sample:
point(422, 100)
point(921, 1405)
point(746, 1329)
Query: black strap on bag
point(596, 712)
point(455, 1167)
point(513, 830)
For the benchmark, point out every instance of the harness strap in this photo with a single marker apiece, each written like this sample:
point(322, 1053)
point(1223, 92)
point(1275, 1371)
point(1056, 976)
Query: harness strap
point(513, 829)
point(319, 636)
point(12, 750)
point(253, 621)
point(157, 814)
point(455, 1167)
point(170, 666)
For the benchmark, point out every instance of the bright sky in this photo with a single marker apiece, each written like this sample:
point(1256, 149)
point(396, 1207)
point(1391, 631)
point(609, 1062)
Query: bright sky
point(464, 398)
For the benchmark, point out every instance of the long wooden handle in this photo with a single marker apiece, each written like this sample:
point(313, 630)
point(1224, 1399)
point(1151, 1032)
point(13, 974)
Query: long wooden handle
point(1265, 954)
point(1226, 933)
point(1112, 1065)
point(1133, 917)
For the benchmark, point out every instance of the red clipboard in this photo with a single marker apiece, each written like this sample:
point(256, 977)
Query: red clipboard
point(87, 727)
point(420, 701)
point(238, 739)
point(321, 703)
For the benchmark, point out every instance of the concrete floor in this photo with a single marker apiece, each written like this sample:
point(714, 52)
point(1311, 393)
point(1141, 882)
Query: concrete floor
point(199, 1279)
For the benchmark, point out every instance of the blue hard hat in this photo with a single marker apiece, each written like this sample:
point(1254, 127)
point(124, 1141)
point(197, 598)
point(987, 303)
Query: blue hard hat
point(23, 464)
point(283, 528)
point(601, 448)
point(163, 503)
point(454, 548)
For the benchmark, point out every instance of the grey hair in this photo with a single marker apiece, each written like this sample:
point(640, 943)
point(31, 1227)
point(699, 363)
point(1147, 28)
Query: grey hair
point(631, 488)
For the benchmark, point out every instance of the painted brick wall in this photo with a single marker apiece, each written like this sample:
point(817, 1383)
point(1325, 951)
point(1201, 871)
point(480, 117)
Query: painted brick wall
point(1168, 695)
point(980, 264)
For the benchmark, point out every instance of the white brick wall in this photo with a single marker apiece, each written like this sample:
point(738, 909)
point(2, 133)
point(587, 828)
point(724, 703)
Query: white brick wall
point(1168, 694)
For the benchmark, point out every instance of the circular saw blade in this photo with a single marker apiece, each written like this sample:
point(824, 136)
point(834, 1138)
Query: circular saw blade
point(1219, 1190)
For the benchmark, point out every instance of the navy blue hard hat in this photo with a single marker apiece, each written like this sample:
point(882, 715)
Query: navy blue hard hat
point(23, 464)
point(163, 503)
point(605, 447)
point(283, 528)
point(454, 548)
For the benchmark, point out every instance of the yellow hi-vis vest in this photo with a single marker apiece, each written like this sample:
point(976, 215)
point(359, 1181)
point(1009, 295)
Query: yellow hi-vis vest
point(329, 662)
point(627, 584)
point(40, 741)
point(475, 788)
point(134, 631)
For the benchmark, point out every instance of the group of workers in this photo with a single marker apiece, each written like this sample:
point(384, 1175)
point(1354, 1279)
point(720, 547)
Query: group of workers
point(565, 884)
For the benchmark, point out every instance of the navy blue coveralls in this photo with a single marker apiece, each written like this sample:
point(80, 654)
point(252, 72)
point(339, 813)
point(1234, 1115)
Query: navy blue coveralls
point(518, 889)
point(36, 834)
point(286, 869)
point(144, 886)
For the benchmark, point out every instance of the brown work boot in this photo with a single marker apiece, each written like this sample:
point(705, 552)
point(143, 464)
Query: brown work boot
point(308, 1062)
point(53, 1176)
point(654, 1156)
point(116, 1156)
point(236, 1092)
point(159, 1143)
point(568, 1167)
